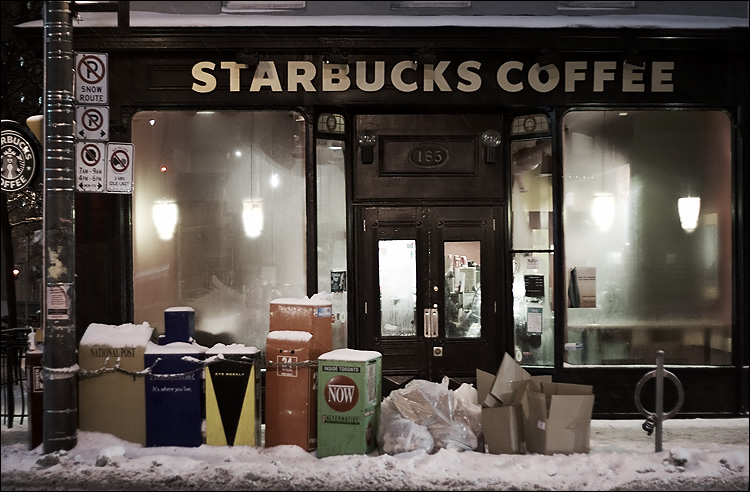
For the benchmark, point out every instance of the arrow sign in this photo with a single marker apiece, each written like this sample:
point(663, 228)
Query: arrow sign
point(92, 123)
point(90, 159)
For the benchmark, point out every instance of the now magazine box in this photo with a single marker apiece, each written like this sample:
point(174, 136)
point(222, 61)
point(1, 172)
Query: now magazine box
point(110, 401)
point(349, 394)
point(558, 417)
point(501, 398)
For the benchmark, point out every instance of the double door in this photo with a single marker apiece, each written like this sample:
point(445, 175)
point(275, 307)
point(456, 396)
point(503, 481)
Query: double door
point(431, 291)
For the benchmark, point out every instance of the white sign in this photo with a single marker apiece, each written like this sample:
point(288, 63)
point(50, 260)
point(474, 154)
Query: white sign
point(58, 301)
point(119, 169)
point(91, 78)
point(92, 123)
point(90, 162)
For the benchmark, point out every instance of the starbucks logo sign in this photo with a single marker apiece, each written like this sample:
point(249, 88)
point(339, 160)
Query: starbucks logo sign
point(20, 157)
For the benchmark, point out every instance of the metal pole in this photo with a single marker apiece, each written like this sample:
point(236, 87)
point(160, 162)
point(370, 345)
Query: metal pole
point(60, 359)
point(659, 397)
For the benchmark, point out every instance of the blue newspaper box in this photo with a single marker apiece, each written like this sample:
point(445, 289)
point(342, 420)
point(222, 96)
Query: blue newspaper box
point(174, 391)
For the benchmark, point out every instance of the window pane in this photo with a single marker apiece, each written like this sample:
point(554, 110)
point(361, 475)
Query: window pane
point(331, 186)
point(639, 278)
point(531, 163)
point(533, 317)
point(237, 183)
point(463, 289)
point(397, 274)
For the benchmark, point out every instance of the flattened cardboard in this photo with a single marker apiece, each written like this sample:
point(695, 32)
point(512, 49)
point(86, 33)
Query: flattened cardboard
point(501, 391)
point(558, 417)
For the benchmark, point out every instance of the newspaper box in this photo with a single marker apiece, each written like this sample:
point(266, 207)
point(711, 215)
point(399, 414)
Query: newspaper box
point(110, 401)
point(349, 394)
point(232, 395)
point(290, 390)
point(174, 391)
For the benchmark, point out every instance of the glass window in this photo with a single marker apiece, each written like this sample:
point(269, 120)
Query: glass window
point(397, 273)
point(533, 319)
point(463, 289)
point(531, 225)
point(644, 271)
point(332, 264)
point(218, 219)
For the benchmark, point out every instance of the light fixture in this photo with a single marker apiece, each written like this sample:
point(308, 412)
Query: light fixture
point(164, 213)
point(603, 210)
point(689, 208)
point(490, 140)
point(366, 141)
point(252, 217)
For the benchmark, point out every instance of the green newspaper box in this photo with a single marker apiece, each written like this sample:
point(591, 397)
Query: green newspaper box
point(349, 393)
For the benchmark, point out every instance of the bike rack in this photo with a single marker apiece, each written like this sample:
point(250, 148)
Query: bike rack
point(655, 419)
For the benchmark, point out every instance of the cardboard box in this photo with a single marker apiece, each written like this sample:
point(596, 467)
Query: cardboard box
point(113, 402)
point(291, 391)
point(349, 394)
point(558, 417)
point(502, 412)
point(314, 316)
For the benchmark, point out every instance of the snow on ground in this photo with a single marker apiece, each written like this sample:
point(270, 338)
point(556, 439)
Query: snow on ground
point(698, 454)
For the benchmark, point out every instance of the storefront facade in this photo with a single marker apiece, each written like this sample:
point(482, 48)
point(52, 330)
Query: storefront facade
point(461, 191)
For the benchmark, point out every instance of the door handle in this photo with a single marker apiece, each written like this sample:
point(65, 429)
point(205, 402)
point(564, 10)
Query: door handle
point(431, 323)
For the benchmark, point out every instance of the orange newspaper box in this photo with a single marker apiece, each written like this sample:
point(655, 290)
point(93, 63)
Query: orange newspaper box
point(291, 390)
point(313, 315)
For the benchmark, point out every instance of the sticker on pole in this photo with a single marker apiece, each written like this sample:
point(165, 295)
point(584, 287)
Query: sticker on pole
point(119, 169)
point(58, 301)
point(90, 162)
point(92, 123)
point(91, 78)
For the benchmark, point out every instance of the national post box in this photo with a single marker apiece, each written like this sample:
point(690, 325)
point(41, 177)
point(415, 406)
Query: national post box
point(110, 401)
point(291, 391)
point(232, 395)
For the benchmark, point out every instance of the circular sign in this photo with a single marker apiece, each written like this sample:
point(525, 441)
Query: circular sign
point(120, 161)
point(341, 393)
point(20, 156)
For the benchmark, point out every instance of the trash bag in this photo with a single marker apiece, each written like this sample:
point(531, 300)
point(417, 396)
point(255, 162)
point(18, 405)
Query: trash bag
point(452, 418)
point(397, 434)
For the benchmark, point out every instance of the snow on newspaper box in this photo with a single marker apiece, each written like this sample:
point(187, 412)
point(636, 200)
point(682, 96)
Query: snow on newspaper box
point(110, 401)
point(349, 390)
point(313, 315)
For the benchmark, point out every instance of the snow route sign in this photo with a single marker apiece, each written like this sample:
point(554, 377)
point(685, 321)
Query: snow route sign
point(91, 78)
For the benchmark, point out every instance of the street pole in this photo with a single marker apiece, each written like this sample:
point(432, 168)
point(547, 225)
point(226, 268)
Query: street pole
point(60, 359)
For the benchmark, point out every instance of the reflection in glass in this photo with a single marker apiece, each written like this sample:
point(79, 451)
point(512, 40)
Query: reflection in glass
point(215, 162)
point(533, 317)
point(331, 216)
point(654, 285)
point(463, 292)
point(397, 274)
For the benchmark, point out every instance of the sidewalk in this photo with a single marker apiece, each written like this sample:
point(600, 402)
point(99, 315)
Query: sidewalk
point(698, 454)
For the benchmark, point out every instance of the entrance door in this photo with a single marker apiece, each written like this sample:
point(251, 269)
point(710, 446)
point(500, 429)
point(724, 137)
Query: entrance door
point(432, 289)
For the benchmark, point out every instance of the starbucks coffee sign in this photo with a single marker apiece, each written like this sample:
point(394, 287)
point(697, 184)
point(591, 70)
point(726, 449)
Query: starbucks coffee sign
point(20, 156)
